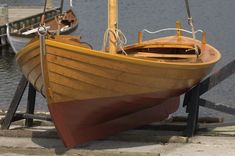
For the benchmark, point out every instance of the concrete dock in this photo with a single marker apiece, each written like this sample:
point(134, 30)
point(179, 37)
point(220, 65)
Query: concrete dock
point(43, 140)
point(20, 12)
point(14, 13)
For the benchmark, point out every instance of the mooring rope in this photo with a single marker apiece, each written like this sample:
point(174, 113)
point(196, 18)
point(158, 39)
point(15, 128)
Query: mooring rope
point(44, 12)
point(42, 31)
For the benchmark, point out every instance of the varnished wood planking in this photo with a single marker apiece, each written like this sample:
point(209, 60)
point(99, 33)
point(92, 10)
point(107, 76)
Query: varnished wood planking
point(79, 85)
point(122, 77)
point(39, 84)
point(33, 53)
point(96, 71)
point(124, 72)
point(59, 97)
point(70, 93)
point(101, 63)
point(94, 80)
point(29, 61)
point(106, 77)
point(35, 74)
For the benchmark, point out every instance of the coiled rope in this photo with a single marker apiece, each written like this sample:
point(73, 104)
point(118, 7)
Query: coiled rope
point(120, 38)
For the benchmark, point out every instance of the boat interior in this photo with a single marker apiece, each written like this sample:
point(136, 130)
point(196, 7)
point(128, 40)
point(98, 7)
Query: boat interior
point(158, 51)
point(167, 53)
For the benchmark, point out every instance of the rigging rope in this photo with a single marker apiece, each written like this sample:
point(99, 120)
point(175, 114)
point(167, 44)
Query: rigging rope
point(190, 21)
point(120, 37)
point(44, 12)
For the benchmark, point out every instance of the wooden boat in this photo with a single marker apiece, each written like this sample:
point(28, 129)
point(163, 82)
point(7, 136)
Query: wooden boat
point(63, 23)
point(93, 94)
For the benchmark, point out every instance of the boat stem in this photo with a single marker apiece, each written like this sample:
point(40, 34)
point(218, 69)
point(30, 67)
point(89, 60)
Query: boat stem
point(112, 25)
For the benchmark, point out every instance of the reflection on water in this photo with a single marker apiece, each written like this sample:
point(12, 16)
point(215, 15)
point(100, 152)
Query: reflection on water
point(135, 15)
point(9, 79)
point(9, 75)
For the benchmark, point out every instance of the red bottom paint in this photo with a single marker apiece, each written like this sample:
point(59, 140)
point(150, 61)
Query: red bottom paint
point(78, 122)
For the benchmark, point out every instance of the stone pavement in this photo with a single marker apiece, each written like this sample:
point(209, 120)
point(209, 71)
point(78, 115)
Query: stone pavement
point(43, 140)
point(200, 145)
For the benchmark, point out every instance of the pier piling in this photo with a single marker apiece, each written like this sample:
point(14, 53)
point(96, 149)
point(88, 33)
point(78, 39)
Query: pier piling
point(3, 21)
point(3, 14)
point(49, 4)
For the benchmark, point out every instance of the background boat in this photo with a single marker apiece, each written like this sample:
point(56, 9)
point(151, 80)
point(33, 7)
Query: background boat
point(62, 23)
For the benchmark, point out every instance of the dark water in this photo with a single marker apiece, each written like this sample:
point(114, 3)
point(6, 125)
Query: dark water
point(216, 17)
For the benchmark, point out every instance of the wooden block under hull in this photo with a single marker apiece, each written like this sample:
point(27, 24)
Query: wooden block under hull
point(74, 132)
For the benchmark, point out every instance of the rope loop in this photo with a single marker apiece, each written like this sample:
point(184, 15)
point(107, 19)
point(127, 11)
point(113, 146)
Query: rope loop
point(42, 30)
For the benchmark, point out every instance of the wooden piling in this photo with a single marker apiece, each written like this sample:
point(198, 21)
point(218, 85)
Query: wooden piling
point(3, 14)
point(49, 4)
point(3, 37)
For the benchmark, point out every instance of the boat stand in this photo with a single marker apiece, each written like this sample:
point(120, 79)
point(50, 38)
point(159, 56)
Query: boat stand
point(29, 115)
point(192, 102)
point(192, 99)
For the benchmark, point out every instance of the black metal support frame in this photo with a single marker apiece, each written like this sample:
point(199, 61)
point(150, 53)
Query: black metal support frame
point(12, 116)
point(192, 99)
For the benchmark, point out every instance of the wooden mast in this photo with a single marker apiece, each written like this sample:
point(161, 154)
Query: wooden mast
point(112, 25)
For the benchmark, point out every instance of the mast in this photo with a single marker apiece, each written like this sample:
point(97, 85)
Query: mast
point(61, 6)
point(112, 25)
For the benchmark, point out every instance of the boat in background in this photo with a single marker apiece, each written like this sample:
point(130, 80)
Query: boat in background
point(63, 23)
point(93, 94)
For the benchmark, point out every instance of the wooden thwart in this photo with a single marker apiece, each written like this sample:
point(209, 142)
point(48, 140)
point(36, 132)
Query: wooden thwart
point(156, 55)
